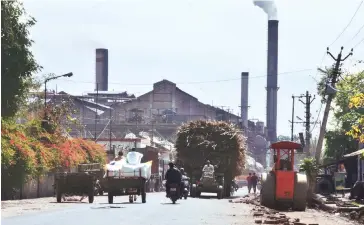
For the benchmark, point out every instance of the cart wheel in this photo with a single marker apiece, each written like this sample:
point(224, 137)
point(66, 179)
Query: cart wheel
point(91, 198)
point(144, 197)
point(110, 198)
point(58, 195)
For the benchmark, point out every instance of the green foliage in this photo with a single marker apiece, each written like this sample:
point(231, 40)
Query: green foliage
point(17, 63)
point(310, 166)
point(326, 75)
point(338, 142)
point(357, 127)
point(219, 142)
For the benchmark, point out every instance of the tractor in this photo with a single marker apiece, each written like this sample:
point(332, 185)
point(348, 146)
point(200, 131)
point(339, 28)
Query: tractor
point(282, 185)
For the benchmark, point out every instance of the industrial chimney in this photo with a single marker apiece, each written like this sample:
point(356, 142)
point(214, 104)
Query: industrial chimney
point(272, 80)
point(102, 69)
point(244, 99)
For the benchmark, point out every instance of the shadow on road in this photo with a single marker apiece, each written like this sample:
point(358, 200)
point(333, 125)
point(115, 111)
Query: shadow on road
point(108, 207)
point(169, 203)
point(71, 202)
point(121, 203)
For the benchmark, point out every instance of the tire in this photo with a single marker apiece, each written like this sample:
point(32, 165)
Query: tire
point(219, 195)
point(193, 192)
point(198, 194)
point(131, 199)
point(91, 198)
point(144, 197)
point(267, 194)
point(300, 192)
point(101, 193)
point(110, 198)
point(185, 196)
point(58, 194)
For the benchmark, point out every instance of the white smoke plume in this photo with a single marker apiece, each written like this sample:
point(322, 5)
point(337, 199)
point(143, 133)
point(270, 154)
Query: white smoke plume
point(269, 7)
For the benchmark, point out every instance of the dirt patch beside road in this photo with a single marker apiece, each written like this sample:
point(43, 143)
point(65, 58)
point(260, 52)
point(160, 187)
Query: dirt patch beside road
point(265, 215)
point(20, 207)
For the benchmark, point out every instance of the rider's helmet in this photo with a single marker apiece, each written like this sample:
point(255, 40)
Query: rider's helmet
point(120, 153)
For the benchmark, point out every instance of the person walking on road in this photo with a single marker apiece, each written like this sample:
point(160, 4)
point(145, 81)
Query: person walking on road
point(254, 182)
point(249, 180)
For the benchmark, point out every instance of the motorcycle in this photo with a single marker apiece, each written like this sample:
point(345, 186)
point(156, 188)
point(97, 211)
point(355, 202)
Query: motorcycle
point(186, 187)
point(174, 192)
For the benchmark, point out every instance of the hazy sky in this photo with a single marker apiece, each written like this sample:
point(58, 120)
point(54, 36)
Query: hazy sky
point(188, 42)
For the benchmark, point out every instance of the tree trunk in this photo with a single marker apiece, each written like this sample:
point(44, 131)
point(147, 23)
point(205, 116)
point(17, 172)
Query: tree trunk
point(311, 190)
point(323, 129)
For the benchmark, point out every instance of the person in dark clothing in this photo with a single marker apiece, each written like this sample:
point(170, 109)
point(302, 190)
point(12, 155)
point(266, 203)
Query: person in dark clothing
point(249, 180)
point(254, 182)
point(173, 176)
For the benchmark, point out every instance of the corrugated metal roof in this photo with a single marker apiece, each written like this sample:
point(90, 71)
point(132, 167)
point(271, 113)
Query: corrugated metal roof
point(98, 111)
point(359, 152)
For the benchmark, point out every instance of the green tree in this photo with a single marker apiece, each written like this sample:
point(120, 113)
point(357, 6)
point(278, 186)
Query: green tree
point(17, 61)
point(338, 142)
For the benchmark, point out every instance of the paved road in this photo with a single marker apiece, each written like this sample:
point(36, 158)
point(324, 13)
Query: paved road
point(157, 211)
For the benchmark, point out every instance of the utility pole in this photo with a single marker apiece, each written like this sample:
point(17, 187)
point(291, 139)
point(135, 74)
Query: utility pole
point(307, 104)
point(292, 120)
point(329, 100)
point(96, 100)
point(110, 130)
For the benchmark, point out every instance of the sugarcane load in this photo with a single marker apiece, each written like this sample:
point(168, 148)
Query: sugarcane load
point(213, 153)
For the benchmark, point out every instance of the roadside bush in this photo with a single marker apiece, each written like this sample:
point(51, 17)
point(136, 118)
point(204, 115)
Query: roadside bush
point(28, 151)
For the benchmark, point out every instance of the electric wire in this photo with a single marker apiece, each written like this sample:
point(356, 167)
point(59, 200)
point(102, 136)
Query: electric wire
point(361, 41)
point(352, 18)
point(358, 32)
point(189, 82)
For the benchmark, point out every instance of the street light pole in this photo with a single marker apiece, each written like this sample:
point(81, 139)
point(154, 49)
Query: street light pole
point(45, 89)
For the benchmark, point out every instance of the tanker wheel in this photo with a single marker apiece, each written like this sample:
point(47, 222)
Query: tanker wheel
point(267, 193)
point(300, 192)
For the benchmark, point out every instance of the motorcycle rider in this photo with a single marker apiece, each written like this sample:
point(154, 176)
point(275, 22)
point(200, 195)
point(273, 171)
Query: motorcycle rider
point(173, 176)
point(184, 177)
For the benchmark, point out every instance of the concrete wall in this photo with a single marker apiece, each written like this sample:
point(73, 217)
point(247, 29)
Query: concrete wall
point(33, 188)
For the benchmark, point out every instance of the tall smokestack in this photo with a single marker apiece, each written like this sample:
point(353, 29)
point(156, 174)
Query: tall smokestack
point(272, 79)
point(244, 98)
point(270, 8)
point(102, 69)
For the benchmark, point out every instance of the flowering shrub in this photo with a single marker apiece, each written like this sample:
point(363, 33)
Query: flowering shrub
point(27, 150)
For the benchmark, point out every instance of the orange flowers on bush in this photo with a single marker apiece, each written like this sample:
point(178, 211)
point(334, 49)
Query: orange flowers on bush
point(29, 151)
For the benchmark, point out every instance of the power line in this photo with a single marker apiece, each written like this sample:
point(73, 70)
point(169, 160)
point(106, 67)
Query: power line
point(361, 41)
point(352, 18)
point(192, 82)
point(358, 32)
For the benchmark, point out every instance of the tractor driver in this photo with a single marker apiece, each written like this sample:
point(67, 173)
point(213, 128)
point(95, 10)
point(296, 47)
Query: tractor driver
point(208, 167)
